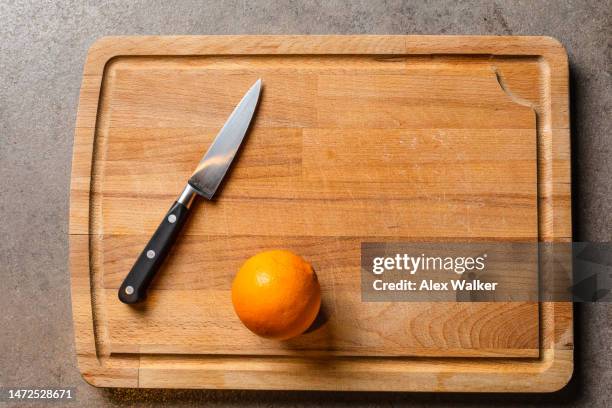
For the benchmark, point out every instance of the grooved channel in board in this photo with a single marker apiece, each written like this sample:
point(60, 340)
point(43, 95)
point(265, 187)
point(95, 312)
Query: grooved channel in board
point(129, 106)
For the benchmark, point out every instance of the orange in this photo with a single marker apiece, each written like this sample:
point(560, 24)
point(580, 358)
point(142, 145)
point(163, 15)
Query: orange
point(276, 294)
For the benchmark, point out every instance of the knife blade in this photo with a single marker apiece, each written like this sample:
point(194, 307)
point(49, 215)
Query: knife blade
point(204, 182)
point(213, 166)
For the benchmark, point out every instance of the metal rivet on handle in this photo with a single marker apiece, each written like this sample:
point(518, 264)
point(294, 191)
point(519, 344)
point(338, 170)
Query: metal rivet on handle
point(129, 290)
point(150, 254)
point(172, 218)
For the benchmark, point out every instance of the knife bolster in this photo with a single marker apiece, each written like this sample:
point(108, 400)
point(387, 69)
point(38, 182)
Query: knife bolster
point(187, 196)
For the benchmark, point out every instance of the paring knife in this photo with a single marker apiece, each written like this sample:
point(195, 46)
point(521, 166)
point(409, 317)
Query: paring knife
point(204, 181)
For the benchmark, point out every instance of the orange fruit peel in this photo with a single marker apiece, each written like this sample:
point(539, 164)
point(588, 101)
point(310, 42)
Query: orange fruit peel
point(276, 294)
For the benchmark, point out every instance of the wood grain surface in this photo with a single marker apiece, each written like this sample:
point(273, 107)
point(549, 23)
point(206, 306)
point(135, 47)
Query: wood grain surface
point(357, 139)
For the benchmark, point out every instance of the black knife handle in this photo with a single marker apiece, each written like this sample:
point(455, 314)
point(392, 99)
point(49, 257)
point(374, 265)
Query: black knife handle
point(135, 285)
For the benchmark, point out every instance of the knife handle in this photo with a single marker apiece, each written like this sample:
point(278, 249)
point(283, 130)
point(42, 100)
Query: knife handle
point(135, 285)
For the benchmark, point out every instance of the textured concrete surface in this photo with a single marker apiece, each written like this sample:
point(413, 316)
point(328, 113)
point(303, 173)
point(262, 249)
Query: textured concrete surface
point(42, 49)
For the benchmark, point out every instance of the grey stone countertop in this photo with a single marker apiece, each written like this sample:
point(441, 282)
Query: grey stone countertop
point(42, 51)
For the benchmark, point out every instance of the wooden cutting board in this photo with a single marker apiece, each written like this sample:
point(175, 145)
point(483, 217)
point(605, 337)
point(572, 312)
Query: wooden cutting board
point(357, 139)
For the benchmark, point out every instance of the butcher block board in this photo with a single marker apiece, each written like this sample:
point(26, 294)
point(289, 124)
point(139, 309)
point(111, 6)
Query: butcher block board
point(356, 139)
